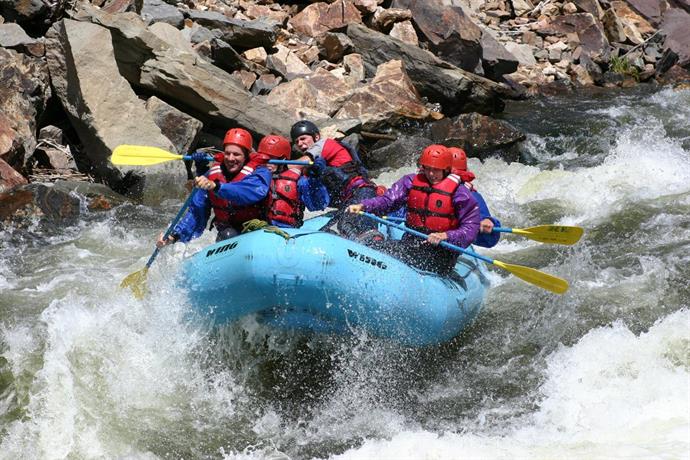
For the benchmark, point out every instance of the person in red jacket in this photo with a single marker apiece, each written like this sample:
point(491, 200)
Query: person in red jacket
point(338, 166)
point(290, 191)
point(235, 192)
point(437, 204)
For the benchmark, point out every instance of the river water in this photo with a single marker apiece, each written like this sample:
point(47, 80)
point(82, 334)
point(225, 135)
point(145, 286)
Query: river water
point(87, 371)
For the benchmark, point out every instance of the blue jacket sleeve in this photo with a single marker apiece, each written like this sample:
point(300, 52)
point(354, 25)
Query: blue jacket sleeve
point(249, 190)
point(486, 240)
point(313, 193)
point(193, 223)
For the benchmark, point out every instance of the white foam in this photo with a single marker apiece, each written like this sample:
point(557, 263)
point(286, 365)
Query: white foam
point(611, 395)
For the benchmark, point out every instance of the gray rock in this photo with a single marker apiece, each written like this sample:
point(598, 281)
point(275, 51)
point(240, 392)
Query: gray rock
point(159, 11)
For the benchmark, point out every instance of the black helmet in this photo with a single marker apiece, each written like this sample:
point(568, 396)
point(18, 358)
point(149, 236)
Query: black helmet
point(303, 127)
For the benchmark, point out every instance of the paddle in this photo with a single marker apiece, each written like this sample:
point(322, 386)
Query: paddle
point(137, 281)
point(142, 155)
point(554, 234)
point(531, 275)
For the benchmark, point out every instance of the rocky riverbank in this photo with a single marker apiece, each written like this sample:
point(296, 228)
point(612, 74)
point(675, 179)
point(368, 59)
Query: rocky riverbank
point(82, 77)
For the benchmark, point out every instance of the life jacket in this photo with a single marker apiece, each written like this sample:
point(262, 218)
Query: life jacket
point(342, 180)
point(227, 214)
point(284, 203)
point(430, 207)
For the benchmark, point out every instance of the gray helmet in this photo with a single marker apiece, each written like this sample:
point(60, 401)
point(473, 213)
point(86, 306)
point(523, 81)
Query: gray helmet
point(303, 127)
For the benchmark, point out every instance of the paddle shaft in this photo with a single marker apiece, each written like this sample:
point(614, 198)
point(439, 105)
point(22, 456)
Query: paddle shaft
point(179, 215)
point(272, 162)
point(423, 235)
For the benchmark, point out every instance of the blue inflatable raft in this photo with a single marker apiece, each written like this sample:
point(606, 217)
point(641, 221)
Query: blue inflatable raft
point(320, 282)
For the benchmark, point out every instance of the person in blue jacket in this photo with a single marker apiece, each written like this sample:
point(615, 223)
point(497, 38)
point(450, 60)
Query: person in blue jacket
point(235, 193)
point(486, 238)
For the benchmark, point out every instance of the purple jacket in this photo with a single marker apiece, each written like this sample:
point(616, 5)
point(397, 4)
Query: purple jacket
point(466, 209)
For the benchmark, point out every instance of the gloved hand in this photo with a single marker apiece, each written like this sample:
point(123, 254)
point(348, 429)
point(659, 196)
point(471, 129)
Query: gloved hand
point(317, 168)
point(200, 155)
point(201, 160)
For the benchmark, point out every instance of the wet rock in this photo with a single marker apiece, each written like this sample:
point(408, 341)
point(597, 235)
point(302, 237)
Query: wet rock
point(318, 18)
point(9, 178)
point(389, 97)
point(38, 201)
point(477, 134)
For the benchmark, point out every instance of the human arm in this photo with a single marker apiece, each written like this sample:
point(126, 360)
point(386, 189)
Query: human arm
point(393, 198)
point(193, 223)
point(313, 193)
point(249, 190)
point(487, 237)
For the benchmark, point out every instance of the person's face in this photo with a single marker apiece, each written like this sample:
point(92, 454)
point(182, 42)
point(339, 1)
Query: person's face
point(305, 141)
point(233, 158)
point(433, 175)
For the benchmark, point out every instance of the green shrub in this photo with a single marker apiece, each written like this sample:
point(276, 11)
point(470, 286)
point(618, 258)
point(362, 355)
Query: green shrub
point(623, 66)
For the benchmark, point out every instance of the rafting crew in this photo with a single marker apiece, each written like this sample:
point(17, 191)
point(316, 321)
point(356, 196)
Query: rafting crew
point(291, 191)
point(437, 203)
point(234, 191)
point(340, 169)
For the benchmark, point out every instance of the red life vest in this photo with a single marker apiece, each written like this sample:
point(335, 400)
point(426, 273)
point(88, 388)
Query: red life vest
point(284, 203)
point(430, 207)
point(227, 214)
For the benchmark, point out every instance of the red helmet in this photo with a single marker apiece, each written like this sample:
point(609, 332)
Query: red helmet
point(436, 156)
point(238, 136)
point(275, 147)
point(459, 162)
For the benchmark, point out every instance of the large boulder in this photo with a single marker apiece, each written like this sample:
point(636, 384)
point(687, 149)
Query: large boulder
point(103, 108)
point(451, 34)
point(389, 97)
point(183, 79)
point(24, 93)
point(439, 81)
point(478, 135)
point(676, 27)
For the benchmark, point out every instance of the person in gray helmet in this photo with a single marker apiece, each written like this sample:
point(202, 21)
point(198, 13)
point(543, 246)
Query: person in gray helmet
point(338, 166)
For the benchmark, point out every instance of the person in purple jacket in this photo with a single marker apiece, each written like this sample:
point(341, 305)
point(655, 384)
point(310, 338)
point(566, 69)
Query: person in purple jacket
point(436, 205)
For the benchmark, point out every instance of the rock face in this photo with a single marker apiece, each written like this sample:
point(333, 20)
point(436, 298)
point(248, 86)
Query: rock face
point(24, 93)
point(176, 74)
point(86, 79)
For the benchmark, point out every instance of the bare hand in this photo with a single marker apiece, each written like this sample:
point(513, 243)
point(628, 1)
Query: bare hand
point(204, 183)
point(486, 226)
point(436, 238)
point(355, 208)
point(160, 242)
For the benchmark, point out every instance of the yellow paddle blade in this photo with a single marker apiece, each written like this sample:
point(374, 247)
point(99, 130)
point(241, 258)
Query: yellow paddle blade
point(533, 276)
point(136, 282)
point(554, 234)
point(141, 155)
